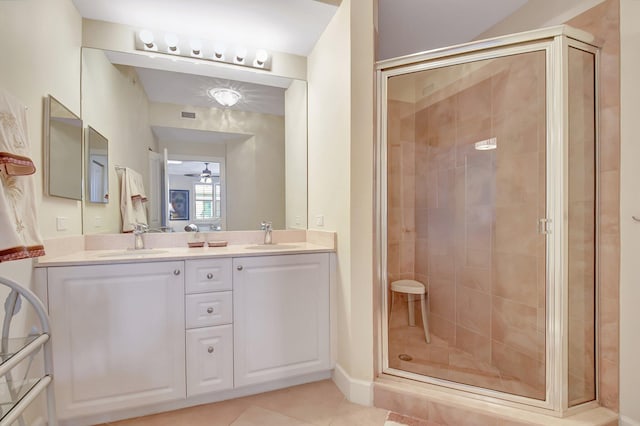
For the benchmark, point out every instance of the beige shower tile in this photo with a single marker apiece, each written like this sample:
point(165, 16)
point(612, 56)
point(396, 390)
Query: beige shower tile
point(516, 230)
point(475, 278)
point(610, 202)
point(477, 345)
point(609, 265)
point(609, 383)
point(517, 178)
point(442, 296)
point(394, 400)
point(609, 329)
point(473, 310)
point(478, 224)
point(516, 364)
point(515, 325)
point(474, 103)
point(442, 328)
point(609, 138)
point(516, 278)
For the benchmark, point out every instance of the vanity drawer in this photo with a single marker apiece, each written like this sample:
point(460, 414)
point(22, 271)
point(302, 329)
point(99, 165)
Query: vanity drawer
point(208, 275)
point(206, 309)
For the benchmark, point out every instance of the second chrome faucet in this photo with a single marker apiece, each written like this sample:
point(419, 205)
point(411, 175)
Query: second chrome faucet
point(267, 228)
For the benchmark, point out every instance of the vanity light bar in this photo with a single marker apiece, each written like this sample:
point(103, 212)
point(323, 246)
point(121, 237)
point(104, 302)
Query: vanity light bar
point(171, 44)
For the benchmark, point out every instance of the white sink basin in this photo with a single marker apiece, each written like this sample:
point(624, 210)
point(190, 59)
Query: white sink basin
point(273, 247)
point(133, 253)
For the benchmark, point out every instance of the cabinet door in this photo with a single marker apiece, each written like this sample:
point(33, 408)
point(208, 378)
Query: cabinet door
point(209, 359)
point(280, 317)
point(119, 336)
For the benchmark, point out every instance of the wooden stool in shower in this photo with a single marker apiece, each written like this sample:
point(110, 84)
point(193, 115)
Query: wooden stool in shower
point(412, 288)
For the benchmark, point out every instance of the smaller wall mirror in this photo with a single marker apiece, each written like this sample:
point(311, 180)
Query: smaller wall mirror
point(97, 166)
point(63, 151)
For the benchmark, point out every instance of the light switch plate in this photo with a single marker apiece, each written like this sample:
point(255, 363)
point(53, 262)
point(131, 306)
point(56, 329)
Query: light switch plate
point(62, 223)
point(319, 220)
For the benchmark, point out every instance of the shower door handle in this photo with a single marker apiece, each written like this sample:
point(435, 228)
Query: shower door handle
point(544, 226)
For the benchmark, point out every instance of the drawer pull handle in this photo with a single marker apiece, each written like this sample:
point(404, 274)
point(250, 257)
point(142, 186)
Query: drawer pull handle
point(239, 268)
point(176, 272)
point(210, 349)
point(209, 276)
point(209, 310)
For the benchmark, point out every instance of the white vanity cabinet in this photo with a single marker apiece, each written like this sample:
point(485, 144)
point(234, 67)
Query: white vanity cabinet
point(209, 334)
point(280, 317)
point(119, 336)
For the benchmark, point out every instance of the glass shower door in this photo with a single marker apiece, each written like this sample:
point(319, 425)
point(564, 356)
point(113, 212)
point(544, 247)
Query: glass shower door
point(466, 202)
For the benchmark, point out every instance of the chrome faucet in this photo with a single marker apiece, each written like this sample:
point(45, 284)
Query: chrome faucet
point(138, 230)
point(266, 227)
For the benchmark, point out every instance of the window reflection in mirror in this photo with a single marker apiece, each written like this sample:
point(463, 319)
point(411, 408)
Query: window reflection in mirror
point(203, 182)
point(63, 151)
point(97, 167)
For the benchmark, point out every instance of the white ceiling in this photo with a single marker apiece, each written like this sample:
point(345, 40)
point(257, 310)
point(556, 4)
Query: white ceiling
point(411, 26)
point(291, 26)
point(190, 89)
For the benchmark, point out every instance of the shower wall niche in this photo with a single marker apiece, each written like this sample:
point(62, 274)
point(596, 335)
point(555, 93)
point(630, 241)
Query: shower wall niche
point(487, 197)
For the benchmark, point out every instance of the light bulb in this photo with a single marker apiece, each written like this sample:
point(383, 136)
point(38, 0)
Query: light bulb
point(262, 56)
point(196, 47)
point(218, 51)
point(172, 42)
point(241, 53)
point(146, 37)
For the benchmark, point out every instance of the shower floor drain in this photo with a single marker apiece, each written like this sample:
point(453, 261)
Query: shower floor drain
point(405, 357)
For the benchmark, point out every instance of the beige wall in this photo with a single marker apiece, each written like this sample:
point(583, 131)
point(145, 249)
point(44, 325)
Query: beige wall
point(630, 205)
point(115, 104)
point(340, 78)
point(40, 42)
point(295, 104)
point(539, 14)
point(40, 45)
point(255, 180)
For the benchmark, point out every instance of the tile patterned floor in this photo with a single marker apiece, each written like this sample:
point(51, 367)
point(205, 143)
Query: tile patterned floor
point(440, 359)
point(318, 404)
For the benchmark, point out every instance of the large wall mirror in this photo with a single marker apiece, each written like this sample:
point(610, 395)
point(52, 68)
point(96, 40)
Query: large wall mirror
point(63, 151)
point(240, 164)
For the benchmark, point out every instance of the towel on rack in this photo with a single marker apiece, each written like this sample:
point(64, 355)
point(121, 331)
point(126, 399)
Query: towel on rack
point(20, 237)
point(132, 197)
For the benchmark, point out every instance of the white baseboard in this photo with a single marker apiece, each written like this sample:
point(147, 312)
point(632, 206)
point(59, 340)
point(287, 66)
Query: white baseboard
point(626, 421)
point(355, 390)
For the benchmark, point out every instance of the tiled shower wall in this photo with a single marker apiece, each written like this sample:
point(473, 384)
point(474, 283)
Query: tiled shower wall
point(477, 214)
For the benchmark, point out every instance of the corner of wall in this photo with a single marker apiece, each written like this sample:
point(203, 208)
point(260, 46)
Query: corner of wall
point(355, 390)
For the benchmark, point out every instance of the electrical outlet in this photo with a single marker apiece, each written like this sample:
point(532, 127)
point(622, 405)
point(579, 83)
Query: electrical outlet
point(319, 220)
point(98, 222)
point(298, 220)
point(62, 223)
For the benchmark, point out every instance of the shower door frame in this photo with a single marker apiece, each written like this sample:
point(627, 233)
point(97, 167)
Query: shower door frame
point(555, 42)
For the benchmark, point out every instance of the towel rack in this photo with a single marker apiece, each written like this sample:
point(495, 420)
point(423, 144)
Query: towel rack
point(13, 351)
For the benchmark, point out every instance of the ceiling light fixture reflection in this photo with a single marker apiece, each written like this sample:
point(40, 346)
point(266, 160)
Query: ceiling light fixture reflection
point(486, 144)
point(205, 179)
point(225, 97)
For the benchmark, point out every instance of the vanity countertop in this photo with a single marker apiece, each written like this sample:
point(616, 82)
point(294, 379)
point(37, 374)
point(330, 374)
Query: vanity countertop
point(98, 257)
